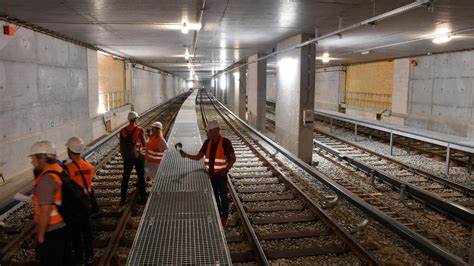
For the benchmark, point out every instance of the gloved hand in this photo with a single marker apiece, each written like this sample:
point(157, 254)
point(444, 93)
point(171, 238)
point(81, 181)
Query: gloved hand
point(182, 153)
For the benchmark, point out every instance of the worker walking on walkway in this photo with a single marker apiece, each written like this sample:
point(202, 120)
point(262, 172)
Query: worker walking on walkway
point(219, 158)
point(47, 195)
point(82, 173)
point(132, 148)
point(155, 150)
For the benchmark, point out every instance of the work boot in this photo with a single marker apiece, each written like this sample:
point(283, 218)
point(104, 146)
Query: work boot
point(223, 221)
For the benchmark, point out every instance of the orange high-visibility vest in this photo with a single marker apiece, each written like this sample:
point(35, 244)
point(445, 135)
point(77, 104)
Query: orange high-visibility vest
point(153, 154)
point(220, 162)
point(54, 216)
point(75, 174)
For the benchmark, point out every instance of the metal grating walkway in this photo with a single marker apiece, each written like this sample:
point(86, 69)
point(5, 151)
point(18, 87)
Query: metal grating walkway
point(181, 224)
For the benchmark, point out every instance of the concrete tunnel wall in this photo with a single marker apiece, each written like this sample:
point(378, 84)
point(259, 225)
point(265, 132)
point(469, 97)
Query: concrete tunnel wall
point(49, 91)
point(441, 93)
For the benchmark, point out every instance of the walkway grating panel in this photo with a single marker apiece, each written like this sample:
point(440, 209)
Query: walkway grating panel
point(180, 224)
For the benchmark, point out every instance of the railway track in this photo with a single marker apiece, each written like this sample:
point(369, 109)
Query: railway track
point(428, 239)
point(439, 229)
point(457, 157)
point(444, 195)
point(264, 197)
point(113, 226)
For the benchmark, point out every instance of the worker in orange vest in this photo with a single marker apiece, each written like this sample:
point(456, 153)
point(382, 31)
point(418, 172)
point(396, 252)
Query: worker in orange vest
point(47, 195)
point(155, 149)
point(82, 173)
point(136, 133)
point(219, 158)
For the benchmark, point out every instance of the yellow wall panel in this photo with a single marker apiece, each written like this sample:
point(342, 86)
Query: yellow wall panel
point(111, 74)
point(112, 92)
point(370, 85)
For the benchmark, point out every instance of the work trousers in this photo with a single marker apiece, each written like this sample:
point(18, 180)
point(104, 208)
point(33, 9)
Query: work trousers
point(82, 241)
point(52, 251)
point(219, 185)
point(128, 165)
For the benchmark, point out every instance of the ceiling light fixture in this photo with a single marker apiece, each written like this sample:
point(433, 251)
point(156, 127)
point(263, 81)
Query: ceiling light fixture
point(443, 39)
point(186, 53)
point(185, 28)
point(365, 52)
point(189, 65)
point(326, 59)
point(326, 55)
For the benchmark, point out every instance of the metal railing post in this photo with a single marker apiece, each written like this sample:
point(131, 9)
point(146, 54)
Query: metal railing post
point(448, 155)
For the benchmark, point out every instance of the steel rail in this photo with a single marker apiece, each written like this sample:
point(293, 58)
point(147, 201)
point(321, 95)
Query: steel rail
point(338, 230)
point(420, 242)
point(463, 189)
point(448, 207)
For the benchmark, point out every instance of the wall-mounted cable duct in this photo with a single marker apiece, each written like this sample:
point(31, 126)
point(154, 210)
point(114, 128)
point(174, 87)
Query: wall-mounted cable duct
point(36, 28)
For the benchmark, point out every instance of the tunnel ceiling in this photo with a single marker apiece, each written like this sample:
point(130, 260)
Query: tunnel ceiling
point(150, 30)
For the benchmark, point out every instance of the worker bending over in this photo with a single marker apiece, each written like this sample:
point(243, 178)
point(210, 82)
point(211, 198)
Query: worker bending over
point(219, 158)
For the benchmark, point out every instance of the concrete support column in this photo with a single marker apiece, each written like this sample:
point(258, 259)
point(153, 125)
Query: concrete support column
point(236, 91)
point(222, 88)
point(242, 91)
point(401, 83)
point(295, 93)
point(230, 91)
point(256, 92)
point(93, 82)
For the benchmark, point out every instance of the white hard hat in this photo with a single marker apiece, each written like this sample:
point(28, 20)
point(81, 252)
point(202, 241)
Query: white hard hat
point(42, 147)
point(157, 125)
point(75, 144)
point(132, 115)
point(212, 124)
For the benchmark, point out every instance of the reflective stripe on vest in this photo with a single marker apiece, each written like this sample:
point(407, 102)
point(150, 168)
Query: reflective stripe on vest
point(153, 154)
point(220, 162)
point(54, 216)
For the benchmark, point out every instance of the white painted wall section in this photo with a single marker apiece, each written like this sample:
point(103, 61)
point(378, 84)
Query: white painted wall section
point(329, 88)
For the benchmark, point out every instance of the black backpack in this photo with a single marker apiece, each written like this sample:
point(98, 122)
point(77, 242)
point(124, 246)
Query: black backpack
point(128, 147)
point(75, 208)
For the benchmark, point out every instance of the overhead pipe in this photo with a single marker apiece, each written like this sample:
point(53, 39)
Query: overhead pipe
point(196, 34)
point(370, 21)
point(452, 33)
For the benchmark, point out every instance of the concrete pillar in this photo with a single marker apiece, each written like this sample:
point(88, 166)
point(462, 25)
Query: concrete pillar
point(401, 83)
point(295, 93)
point(92, 82)
point(236, 91)
point(256, 92)
point(230, 91)
point(242, 92)
point(222, 88)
